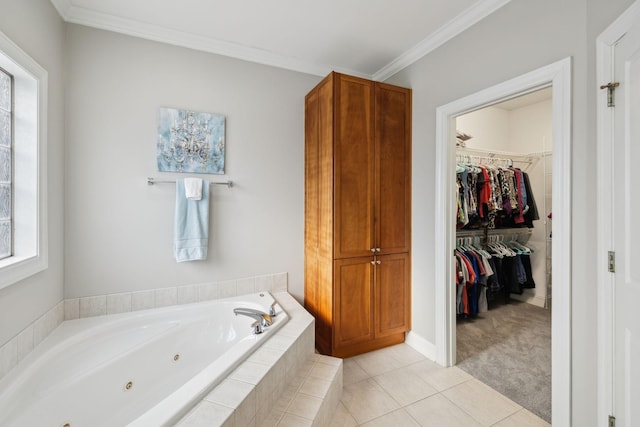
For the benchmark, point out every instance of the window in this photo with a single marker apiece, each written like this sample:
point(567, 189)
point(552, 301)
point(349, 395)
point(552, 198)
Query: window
point(6, 140)
point(23, 184)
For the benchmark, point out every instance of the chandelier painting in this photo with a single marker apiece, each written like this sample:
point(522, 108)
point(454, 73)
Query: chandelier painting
point(190, 142)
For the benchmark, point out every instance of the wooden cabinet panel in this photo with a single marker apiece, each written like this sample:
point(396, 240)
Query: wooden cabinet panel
point(318, 224)
point(392, 294)
point(357, 198)
point(354, 167)
point(393, 172)
point(311, 197)
point(311, 167)
point(325, 168)
point(353, 287)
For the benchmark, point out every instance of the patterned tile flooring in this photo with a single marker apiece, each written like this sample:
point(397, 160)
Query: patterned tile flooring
point(397, 386)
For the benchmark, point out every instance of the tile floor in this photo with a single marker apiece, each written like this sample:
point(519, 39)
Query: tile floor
point(397, 386)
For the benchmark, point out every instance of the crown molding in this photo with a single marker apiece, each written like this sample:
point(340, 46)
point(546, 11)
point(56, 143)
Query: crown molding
point(86, 17)
point(62, 6)
point(457, 25)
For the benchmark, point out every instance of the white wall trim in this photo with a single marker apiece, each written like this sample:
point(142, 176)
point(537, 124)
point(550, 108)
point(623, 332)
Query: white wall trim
point(157, 33)
point(421, 345)
point(30, 249)
point(78, 15)
point(558, 76)
point(605, 118)
point(62, 6)
point(457, 25)
point(535, 300)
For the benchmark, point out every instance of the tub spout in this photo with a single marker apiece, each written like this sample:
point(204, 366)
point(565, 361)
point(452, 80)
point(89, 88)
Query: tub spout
point(262, 318)
point(272, 309)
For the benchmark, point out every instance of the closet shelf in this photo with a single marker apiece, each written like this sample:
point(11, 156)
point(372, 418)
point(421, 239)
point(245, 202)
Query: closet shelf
point(529, 159)
point(492, 231)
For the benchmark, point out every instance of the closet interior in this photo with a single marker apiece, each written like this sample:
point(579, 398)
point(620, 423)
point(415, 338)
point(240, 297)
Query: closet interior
point(503, 248)
point(504, 203)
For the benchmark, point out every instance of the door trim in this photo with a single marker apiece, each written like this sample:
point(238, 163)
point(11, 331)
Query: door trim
point(558, 76)
point(605, 45)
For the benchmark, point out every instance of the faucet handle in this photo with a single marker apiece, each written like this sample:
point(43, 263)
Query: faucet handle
point(257, 327)
point(272, 309)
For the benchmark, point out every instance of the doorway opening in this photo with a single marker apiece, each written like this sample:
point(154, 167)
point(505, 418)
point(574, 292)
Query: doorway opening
point(557, 77)
point(503, 248)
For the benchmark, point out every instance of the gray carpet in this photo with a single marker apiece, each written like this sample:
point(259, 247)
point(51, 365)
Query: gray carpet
point(509, 349)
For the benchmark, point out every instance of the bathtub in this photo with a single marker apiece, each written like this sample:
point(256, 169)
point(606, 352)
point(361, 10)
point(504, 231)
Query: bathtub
point(144, 368)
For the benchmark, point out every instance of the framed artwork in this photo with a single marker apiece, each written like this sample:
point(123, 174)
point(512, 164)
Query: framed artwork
point(190, 141)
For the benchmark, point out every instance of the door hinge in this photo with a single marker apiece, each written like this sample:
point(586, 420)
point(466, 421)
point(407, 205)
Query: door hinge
point(611, 88)
point(612, 421)
point(612, 261)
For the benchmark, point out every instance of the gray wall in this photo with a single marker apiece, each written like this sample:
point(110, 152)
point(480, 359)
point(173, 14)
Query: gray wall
point(520, 37)
point(119, 231)
point(34, 25)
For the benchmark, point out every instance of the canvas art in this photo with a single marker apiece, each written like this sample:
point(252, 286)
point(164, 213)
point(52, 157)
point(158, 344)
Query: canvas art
point(190, 141)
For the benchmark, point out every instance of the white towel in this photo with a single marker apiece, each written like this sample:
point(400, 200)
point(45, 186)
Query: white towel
point(193, 188)
point(191, 230)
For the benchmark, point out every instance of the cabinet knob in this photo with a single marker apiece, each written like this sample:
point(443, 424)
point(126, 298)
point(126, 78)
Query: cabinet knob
point(377, 249)
point(373, 250)
point(373, 262)
point(378, 262)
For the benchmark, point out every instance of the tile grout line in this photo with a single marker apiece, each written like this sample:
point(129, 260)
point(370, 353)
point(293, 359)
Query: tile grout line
point(517, 408)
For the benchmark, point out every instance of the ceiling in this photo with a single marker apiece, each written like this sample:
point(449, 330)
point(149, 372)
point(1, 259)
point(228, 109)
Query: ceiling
point(368, 38)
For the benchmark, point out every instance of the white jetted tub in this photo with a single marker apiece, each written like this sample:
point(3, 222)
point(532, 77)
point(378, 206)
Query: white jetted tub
point(144, 368)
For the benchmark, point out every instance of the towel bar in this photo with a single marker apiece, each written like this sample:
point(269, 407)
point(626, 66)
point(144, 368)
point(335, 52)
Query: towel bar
point(152, 181)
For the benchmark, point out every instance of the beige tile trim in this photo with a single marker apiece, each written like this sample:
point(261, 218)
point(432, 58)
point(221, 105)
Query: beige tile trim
point(252, 389)
point(17, 348)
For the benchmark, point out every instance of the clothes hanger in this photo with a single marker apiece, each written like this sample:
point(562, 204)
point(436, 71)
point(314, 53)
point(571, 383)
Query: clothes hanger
point(476, 246)
point(524, 248)
point(506, 250)
point(511, 245)
point(495, 246)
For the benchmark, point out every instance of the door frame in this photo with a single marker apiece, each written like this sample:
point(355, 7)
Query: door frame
point(558, 76)
point(605, 46)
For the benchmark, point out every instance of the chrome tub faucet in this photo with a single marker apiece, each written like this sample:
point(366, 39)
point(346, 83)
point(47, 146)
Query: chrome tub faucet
point(263, 320)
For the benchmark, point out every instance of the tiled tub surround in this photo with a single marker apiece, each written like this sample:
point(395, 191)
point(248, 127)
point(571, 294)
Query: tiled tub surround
point(145, 368)
point(293, 386)
point(282, 384)
point(18, 347)
point(312, 397)
point(132, 301)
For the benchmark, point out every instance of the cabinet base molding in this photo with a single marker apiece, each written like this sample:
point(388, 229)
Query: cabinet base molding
point(364, 347)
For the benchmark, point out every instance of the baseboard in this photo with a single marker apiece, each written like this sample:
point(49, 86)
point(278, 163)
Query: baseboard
point(533, 300)
point(421, 345)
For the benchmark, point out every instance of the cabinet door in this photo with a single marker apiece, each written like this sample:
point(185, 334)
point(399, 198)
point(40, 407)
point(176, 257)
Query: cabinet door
point(353, 310)
point(393, 169)
point(392, 294)
point(353, 167)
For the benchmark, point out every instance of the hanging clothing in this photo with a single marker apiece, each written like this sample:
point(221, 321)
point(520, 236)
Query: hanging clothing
point(484, 275)
point(493, 197)
point(532, 213)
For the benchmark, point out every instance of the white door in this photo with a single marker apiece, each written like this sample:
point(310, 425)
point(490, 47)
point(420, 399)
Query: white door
point(626, 230)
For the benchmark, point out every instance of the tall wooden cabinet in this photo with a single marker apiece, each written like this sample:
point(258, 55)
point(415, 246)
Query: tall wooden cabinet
point(357, 213)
